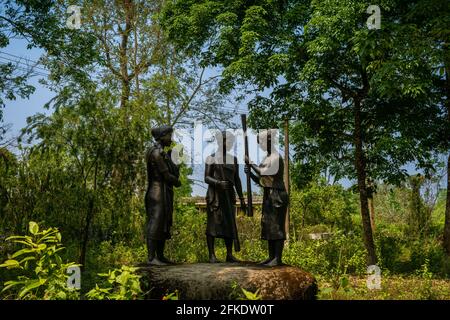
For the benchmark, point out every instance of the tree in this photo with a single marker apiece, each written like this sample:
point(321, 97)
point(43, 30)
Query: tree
point(337, 79)
point(433, 19)
point(43, 26)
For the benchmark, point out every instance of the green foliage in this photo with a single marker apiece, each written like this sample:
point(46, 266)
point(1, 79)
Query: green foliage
point(248, 295)
point(426, 291)
point(41, 272)
point(172, 296)
point(120, 284)
point(320, 203)
point(188, 242)
point(239, 293)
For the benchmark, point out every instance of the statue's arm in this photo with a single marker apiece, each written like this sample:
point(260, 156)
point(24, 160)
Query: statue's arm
point(164, 169)
point(255, 177)
point(257, 170)
point(209, 171)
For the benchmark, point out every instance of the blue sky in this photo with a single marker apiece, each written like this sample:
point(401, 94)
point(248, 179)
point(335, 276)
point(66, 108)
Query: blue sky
point(16, 112)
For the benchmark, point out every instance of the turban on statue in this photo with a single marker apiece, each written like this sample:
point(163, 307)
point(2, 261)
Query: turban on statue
point(160, 132)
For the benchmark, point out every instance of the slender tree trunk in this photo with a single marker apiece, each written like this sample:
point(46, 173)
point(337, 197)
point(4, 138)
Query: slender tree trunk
point(371, 212)
point(87, 226)
point(360, 165)
point(128, 9)
point(85, 239)
point(370, 193)
point(446, 242)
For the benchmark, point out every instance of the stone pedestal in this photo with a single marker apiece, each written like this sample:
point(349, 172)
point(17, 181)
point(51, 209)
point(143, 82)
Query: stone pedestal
point(204, 281)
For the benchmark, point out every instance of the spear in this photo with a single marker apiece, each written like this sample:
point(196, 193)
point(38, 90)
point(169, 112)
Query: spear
point(249, 182)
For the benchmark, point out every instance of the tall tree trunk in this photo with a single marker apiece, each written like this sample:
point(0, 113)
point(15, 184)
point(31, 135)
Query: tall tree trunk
point(370, 193)
point(360, 165)
point(85, 239)
point(446, 242)
point(371, 212)
point(128, 10)
point(87, 225)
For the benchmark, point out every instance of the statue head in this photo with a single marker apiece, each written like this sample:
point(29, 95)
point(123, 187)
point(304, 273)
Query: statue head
point(225, 138)
point(163, 135)
point(264, 139)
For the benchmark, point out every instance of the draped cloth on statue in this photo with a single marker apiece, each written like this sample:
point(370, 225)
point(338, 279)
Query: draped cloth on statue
point(159, 195)
point(275, 198)
point(220, 222)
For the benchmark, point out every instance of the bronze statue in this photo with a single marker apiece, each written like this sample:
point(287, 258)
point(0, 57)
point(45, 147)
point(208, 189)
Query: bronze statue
point(162, 175)
point(269, 174)
point(222, 177)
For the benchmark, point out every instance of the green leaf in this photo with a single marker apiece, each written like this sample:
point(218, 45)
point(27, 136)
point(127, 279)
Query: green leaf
point(326, 290)
point(32, 284)
point(344, 282)
point(10, 264)
point(33, 227)
point(21, 252)
point(11, 284)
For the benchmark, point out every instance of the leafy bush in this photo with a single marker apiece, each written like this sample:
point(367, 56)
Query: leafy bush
point(322, 204)
point(188, 243)
point(120, 284)
point(42, 274)
point(341, 254)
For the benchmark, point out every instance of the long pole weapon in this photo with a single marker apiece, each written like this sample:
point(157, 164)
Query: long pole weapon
point(249, 182)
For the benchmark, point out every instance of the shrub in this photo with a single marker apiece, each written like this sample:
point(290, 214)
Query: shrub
point(41, 272)
point(120, 284)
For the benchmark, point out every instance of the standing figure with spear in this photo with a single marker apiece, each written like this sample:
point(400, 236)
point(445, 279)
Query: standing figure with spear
point(269, 175)
point(222, 177)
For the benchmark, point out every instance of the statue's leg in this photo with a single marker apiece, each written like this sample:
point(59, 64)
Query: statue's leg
point(278, 250)
point(212, 254)
point(271, 245)
point(279, 246)
point(152, 257)
point(229, 245)
point(160, 251)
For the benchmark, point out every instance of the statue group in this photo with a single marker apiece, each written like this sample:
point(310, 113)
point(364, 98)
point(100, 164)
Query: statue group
point(224, 183)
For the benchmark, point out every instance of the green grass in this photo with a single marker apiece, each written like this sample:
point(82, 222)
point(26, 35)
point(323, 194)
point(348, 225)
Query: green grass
point(392, 288)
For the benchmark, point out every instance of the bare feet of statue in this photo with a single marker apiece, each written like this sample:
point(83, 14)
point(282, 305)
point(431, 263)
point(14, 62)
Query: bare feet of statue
point(165, 260)
point(266, 261)
point(232, 259)
point(213, 259)
point(273, 263)
point(156, 262)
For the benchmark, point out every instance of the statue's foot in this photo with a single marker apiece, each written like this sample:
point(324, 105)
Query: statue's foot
point(213, 259)
point(165, 260)
point(266, 261)
point(273, 263)
point(232, 259)
point(156, 262)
